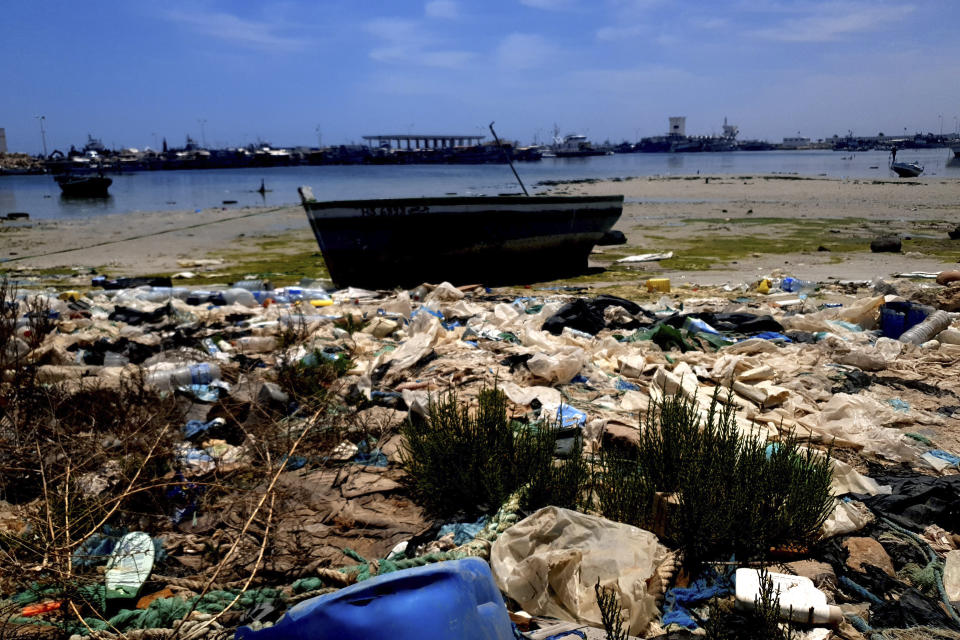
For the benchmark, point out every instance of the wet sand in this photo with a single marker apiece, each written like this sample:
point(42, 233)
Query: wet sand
point(677, 210)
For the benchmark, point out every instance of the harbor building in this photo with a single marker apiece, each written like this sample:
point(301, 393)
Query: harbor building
point(678, 126)
point(422, 141)
point(3, 140)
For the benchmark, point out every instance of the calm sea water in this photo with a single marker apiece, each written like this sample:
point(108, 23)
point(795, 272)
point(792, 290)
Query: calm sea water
point(165, 190)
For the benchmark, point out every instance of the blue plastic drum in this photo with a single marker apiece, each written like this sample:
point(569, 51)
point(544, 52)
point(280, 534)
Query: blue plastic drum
point(443, 601)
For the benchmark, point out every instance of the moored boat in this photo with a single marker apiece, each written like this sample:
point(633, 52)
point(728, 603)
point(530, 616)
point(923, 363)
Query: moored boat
point(907, 169)
point(575, 146)
point(407, 241)
point(84, 186)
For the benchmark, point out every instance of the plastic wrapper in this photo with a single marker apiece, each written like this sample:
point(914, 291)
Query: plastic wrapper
point(559, 368)
point(846, 518)
point(550, 561)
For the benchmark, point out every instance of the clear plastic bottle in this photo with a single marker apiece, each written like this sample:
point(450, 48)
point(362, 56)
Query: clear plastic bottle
point(928, 329)
point(794, 284)
point(252, 285)
point(170, 379)
point(239, 296)
point(257, 344)
point(113, 359)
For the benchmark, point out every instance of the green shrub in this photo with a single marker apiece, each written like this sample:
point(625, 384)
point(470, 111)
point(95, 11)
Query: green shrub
point(463, 462)
point(560, 483)
point(624, 489)
point(736, 495)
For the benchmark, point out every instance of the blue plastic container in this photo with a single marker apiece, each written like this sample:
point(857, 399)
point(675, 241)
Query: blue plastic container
point(897, 317)
point(443, 601)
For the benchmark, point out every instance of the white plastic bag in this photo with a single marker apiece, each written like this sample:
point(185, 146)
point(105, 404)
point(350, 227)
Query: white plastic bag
point(550, 561)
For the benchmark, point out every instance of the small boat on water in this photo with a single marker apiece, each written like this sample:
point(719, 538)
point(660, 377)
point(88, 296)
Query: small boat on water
point(501, 239)
point(574, 145)
point(907, 169)
point(84, 186)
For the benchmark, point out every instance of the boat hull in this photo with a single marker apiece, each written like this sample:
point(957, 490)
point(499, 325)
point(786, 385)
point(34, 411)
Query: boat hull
point(504, 239)
point(906, 169)
point(93, 187)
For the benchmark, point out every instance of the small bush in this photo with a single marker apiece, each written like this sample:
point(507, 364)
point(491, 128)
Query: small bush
point(624, 489)
point(560, 483)
point(736, 495)
point(463, 462)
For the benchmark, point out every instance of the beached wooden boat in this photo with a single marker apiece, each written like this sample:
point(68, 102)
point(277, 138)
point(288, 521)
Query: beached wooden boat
point(84, 186)
point(907, 169)
point(501, 239)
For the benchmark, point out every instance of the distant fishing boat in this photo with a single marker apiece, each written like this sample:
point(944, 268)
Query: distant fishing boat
point(574, 145)
point(407, 241)
point(84, 186)
point(907, 169)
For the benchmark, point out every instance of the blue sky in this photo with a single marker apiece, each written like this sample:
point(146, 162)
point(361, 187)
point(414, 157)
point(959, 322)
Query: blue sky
point(131, 71)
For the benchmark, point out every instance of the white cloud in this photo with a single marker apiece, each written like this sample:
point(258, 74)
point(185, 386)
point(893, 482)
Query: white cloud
point(262, 35)
point(402, 41)
point(828, 22)
point(524, 51)
point(550, 5)
point(621, 33)
point(445, 9)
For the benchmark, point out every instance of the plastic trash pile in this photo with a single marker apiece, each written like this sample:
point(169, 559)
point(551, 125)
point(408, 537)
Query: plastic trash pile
point(852, 366)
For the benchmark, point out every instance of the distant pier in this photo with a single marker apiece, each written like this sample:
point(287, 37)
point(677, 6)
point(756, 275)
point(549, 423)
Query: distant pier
point(422, 141)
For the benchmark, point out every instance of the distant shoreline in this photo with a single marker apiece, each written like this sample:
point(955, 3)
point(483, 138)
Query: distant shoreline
point(721, 228)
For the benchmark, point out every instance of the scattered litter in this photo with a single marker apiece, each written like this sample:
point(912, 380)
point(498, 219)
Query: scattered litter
point(647, 257)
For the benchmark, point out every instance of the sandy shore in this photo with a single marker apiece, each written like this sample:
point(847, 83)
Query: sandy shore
point(721, 228)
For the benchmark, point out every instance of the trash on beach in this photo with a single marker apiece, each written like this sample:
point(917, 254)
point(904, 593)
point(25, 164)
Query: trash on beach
point(129, 566)
point(456, 599)
point(244, 365)
point(647, 257)
point(799, 599)
point(550, 561)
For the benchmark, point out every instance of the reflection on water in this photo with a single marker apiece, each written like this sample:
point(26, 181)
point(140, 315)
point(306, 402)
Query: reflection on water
point(675, 161)
point(8, 201)
point(84, 205)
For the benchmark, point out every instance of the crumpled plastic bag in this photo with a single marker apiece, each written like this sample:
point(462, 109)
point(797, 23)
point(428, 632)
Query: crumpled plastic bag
point(846, 479)
point(547, 396)
point(951, 576)
point(857, 420)
point(559, 368)
point(550, 561)
point(846, 518)
point(444, 292)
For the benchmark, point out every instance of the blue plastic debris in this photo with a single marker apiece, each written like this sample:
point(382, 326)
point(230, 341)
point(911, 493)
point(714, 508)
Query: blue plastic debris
point(463, 532)
point(624, 385)
point(678, 601)
point(696, 325)
point(196, 427)
point(293, 463)
point(428, 310)
point(456, 599)
point(570, 416)
point(945, 455)
point(898, 404)
point(369, 457)
point(580, 379)
point(771, 335)
point(849, 326)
